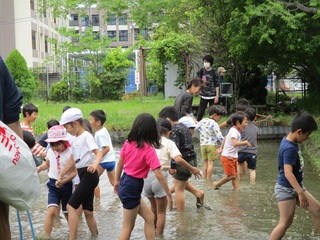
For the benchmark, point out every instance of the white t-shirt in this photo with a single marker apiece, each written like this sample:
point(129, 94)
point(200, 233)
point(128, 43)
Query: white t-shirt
point(166, 152)
point(229, 150)
point(103, 140)
point(82, 147)
point(56, 159)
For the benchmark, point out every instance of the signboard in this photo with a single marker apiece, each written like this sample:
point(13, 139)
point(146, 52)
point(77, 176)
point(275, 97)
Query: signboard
point(137, 77)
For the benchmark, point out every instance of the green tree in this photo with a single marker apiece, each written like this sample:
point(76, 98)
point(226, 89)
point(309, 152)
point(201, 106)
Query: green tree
point(111, 83)
point(21, 74)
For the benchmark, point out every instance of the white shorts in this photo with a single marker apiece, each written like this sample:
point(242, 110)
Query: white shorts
point(152, 187)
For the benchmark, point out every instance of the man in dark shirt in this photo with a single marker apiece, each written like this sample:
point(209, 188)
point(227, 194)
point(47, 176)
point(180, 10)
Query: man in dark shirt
point(10, 107)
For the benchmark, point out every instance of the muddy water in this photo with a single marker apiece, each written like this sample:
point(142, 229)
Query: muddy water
point(251, 213)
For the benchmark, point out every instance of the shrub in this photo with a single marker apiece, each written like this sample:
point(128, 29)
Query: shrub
point(21, 74)
point(59, 91)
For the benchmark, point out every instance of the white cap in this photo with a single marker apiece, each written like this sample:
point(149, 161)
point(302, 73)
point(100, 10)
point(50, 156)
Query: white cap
point(188, 121)
point(70, 115)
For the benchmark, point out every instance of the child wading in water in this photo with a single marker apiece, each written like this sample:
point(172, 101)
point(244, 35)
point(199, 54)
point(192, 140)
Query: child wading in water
point(86, 155)
point(152, 188)
point(229, 155)
point(289, 189)
point(137, 156)
point(58, 155)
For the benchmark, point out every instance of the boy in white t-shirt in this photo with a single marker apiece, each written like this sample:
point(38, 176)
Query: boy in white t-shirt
point(102, 137)
point(229, 155)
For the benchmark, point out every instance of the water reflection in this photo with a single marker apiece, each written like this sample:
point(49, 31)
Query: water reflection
point(251, 213)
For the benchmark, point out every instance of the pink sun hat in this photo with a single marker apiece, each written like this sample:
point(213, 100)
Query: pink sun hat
point(57, 133)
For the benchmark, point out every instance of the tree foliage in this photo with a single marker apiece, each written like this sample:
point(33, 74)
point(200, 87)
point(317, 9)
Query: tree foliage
point(111, 83)
point(21, 74)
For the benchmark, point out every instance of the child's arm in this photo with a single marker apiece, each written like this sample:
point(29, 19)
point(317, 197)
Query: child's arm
point(93, 167)
point(219, 150)
point(71, 174)
point(294, 183)
point(179, 160)
point(118, 174)
point(45, 165)
point(164, 185)
point(105, 150)
point(66, 168)
point(237, 143)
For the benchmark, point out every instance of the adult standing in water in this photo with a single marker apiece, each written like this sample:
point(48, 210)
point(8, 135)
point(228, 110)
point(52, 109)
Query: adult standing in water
point(210, 92)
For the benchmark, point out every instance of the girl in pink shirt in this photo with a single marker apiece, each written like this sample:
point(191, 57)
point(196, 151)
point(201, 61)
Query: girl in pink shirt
point(137, 156)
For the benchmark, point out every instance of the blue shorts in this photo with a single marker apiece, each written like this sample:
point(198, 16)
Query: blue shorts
point(84, 192)
point(109, 166)
point(57, 195)
point(250, 158)
point(129, 191)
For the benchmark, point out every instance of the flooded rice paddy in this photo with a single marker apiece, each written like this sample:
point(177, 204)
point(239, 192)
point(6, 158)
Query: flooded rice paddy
point(251, 213)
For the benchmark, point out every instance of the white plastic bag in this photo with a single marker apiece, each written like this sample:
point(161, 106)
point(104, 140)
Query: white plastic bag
point(19, 181)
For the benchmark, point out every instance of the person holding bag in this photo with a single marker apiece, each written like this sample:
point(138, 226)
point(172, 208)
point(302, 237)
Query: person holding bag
point(10, 107)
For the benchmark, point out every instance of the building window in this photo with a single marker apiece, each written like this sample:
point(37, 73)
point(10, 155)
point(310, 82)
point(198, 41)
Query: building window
point(84, 21)
point(46, 44)
point(145, 34)
point(32, 4)
point(112, 20)
point(123, 19)
point(112, 35)
point(123, 35)
point(95, 20)
point(74, 20)
point(34, 43)
point(136, 33)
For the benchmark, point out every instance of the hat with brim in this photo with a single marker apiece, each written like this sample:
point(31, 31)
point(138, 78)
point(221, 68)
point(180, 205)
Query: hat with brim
point(70, 115)
point(188, 121)
point(57, 133)
point(221, 69)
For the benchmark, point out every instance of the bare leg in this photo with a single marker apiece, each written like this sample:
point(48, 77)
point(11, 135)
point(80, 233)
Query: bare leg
point(210, 169)
point(224, 180)
point(205, 168)
point(91, 222)
point(287, 210)
point(146, 213)
point(153, 203)
point(97, 192)
point(4, 221)
point(195, 191)
point(252, 176)
point(161, 214)
point(179, 187)
point(314, 209)
point(73, 222)
point(48, 224)
point(112, 176)
point(235, 184)
point(129, 219)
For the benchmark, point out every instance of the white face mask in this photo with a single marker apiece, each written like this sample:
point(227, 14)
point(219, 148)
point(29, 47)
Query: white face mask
point(206, 65)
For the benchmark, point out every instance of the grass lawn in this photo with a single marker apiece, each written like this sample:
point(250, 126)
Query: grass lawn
point(120, 114)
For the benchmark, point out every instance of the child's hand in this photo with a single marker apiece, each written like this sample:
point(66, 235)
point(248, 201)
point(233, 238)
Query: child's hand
point(219, 151)
point(38, 169)
point(196, 172)
point(59, 183)
point(170, 202)
point(172, 171)
point(115, 188)
point(248, 143)
point(92, 168)
point(303, 200)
